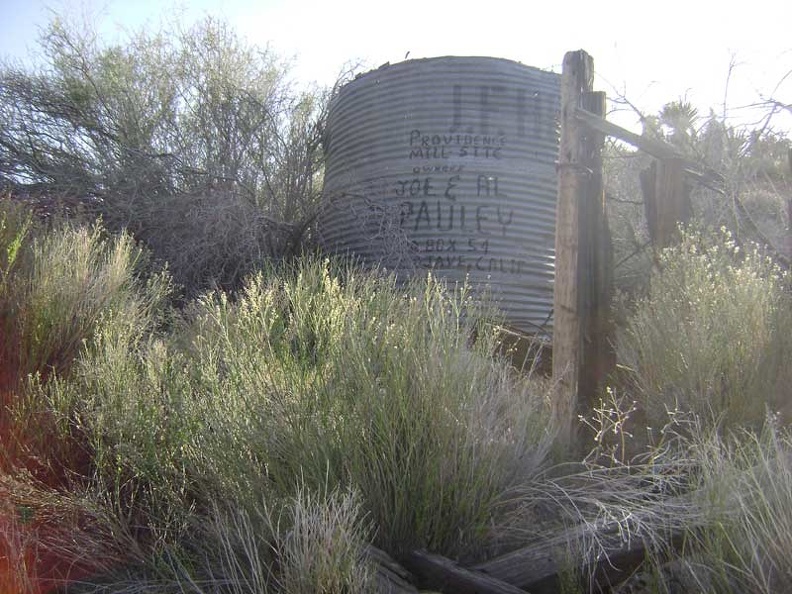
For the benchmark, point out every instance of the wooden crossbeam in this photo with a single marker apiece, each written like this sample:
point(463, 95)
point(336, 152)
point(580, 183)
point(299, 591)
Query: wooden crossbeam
point(652, 146)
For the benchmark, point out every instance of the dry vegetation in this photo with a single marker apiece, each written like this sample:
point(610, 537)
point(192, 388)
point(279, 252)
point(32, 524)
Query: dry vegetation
point(246, 420)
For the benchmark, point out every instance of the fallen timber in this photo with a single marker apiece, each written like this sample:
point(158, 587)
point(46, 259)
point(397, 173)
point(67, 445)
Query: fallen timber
point(537, 568)
point(444, 575)
point(390, 578)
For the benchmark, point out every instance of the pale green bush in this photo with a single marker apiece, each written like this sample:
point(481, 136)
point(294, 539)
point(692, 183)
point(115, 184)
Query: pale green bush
point(315, 379)
point(60, 287)
point(710, 335)
point(322, 375)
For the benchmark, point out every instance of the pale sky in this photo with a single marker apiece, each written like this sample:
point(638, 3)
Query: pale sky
point(651, 52)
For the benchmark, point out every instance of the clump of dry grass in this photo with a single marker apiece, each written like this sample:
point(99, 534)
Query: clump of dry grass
point(58, 288)
point(61, 286)
point(323, 548)
point(313, 379)
point(743, 489)
point(52, 536)
point(330, 375)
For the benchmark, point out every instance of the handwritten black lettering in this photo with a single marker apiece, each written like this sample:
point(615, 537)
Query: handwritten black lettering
point(430, 152)
point(503, 220)
point(405, 212)
point(437, 169)
point(450, 185)
point(440, 245)
point(481, 218)
point(492, 108)
point(446, 216)
point(420, 140)
point(450, 224)
point(423, 214)
point(415, 187)
point(478, 246)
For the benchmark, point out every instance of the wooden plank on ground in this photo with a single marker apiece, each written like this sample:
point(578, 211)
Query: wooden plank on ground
point(537, 567)
point(444, 575)
point(391, 577)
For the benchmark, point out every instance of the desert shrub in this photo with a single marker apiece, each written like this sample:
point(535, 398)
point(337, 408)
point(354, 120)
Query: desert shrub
point(709, 337)
point(323, 548)
point(15, 227)
point(344, 378)
point(72, 281)
point(324, 379)
point(59, 288)
point(744, 486)
point(191, 140)
point(51, 536)
point(735, 533)
point(746, 179)
point(710, 507)
point(218, 450)
point(310, 542)
point(258, 414)
point(211, 240)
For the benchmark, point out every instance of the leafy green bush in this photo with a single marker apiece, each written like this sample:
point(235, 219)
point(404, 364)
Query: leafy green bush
point(710, 336)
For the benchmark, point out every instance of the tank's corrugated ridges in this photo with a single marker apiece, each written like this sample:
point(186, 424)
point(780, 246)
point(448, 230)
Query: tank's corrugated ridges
point(449, 163)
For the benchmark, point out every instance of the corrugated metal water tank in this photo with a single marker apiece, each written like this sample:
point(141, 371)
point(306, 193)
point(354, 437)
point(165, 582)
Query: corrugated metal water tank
point(449, 164)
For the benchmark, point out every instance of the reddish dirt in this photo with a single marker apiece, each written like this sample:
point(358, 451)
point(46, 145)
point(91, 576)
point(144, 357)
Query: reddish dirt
point(30, 560)
point(27, 563)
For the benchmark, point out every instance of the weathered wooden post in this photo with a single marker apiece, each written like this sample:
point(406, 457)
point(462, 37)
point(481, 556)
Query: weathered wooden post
point(666, 199)
point(577, 77)
point(673, 200)
point(595, 265)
